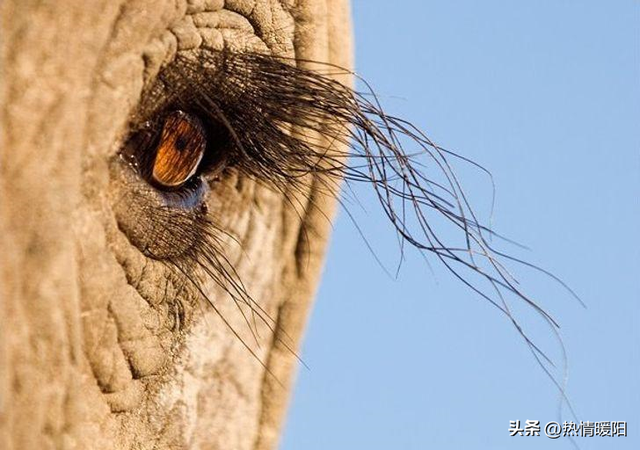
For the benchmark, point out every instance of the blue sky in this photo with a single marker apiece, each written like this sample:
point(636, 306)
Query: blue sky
point(546, 95)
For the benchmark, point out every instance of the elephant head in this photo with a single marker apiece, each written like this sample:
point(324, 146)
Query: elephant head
point(105, 344)
point(168, 178)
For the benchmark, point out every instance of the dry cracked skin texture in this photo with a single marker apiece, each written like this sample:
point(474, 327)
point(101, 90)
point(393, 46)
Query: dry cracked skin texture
point(95, 350)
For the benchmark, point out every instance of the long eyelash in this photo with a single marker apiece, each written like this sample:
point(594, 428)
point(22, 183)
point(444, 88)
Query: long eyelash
point(259, 99)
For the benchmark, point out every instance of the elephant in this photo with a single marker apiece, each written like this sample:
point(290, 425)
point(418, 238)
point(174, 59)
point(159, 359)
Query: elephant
point(92, 356)
point(169, 174)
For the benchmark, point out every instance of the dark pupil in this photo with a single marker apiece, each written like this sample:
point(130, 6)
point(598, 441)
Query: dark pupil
point(181, 143)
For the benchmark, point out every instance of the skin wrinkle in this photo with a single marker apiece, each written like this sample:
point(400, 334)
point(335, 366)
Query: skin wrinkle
point(122, 317)
point(218, 27)
point(146, 287)
point(125, 355)
point(141, 343)
point(264, 16)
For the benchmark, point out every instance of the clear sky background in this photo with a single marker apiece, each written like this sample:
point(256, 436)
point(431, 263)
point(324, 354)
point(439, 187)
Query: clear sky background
point(546, 94)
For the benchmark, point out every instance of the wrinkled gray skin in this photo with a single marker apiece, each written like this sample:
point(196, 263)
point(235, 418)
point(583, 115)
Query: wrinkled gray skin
point(90, 356)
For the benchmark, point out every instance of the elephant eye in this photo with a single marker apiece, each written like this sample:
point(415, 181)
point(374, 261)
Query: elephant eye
point(179, 152)
point(172, 149)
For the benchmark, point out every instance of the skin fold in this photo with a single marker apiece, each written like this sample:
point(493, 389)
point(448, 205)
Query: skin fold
point(95, 352)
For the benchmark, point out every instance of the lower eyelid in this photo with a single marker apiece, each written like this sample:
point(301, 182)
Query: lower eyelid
point(160, 224)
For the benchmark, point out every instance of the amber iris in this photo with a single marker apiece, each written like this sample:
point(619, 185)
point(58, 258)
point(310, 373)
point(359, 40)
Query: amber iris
point(182, 144)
